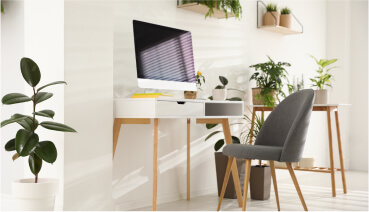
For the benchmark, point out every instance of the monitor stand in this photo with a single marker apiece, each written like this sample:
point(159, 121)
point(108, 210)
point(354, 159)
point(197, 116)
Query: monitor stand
point(150, 90)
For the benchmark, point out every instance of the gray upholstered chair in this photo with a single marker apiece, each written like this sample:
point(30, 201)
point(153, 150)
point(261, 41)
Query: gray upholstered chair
point(281, 138)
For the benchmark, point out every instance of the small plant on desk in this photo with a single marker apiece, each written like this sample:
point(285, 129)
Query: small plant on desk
point(220, 91)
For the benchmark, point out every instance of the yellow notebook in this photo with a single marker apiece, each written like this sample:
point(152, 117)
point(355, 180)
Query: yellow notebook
point(145, 96)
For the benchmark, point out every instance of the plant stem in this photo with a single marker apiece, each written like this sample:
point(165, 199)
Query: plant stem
point(36, 178)
point(34, 113)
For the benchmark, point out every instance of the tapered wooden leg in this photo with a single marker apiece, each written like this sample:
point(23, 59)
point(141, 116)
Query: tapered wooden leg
point(155, 164)
point(252, 125)
point(246, 183)
point(236, 179)
point(331, 152)
point(340, 152)
point(225, 182)
point(116, 130)
point(272, 169)
point(188, 159)
point(293, 176)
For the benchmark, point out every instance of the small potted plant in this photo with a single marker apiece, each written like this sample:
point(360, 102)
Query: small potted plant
point(199, 80)
point(269, 78)
point(232, 6)
point(285, 18)
point(271, 17)
point(38, 193)
point(323, 80)
point(220, 91)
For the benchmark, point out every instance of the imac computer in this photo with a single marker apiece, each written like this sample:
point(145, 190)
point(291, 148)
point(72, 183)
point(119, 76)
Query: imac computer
point(164, 57)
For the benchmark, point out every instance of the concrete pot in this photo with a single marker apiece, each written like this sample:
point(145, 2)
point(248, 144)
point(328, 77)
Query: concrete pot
point(221, 165)
point(268, 18)
point(190, 94)
point(32, 196)
point(260, 182)
point(260, 101)
point(219, 94)
point(321, 96)
point(285, 21)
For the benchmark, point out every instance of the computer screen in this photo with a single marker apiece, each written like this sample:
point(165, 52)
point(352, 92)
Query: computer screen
point(163, 53)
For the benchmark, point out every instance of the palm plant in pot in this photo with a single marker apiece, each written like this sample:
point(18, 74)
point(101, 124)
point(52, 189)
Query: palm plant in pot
point(33, 194)
point(323, 80)
point(269, 78)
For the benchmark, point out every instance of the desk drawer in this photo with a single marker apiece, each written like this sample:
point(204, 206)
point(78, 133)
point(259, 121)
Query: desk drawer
point(173, 108)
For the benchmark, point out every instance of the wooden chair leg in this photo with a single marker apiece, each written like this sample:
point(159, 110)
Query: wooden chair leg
point(225, 182)
point(272, 169)
point(246, 183)
point(293, 176)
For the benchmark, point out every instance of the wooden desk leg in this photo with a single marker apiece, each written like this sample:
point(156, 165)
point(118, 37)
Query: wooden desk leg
point(252, 124)
point(236, 180)
point(116, 130)
point(331, 151)
point(340, 152)
point(188, 159)
point(155, 164)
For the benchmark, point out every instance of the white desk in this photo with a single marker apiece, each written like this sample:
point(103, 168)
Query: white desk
point(141, 111)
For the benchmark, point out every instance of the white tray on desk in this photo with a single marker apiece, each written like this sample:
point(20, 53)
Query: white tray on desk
point(176, 108)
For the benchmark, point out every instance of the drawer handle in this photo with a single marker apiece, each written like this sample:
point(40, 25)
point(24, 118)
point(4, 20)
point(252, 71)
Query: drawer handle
point(181, 103)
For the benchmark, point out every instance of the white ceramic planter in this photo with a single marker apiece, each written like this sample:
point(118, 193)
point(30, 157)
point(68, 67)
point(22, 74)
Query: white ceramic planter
point(219, 94)
point(32, 196)
point(307, 163)
point(321, 96)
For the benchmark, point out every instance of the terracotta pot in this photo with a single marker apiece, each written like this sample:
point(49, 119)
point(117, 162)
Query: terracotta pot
point(270, 20)
point(219, 94)
point(285, 21)
point(190, 94)
point(260, 101)
point(260, 182)
point(321, 96)
point(221, 165)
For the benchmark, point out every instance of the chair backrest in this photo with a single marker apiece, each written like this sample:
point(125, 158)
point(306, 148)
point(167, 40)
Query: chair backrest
point(287, 125)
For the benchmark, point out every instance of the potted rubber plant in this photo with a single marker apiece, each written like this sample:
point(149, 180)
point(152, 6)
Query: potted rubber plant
point(38, 193)
point(269, 78)
point(227, 6)
point(271, 17)
point(285, 20)
point(323, 80)
point(220, 91)
point(199, 80)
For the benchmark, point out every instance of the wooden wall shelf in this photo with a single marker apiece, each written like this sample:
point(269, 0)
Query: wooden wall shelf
point(280, 29)
point(202, 9)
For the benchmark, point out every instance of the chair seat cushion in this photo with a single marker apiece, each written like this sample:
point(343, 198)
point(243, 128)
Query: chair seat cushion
point(260, 152)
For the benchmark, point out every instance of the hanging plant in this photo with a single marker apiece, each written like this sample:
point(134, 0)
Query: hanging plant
point(227, 6)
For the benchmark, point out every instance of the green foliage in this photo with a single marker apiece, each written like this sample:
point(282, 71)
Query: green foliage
point(268, 77)
point(285, 11)
point(26, 141)
point(297, 85)
point(247, 131)
point(2, 8)
point(271, 7)
point(232, 6)
point(324, 78)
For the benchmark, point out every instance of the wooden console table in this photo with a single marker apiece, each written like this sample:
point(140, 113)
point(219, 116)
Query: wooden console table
point(322, 108)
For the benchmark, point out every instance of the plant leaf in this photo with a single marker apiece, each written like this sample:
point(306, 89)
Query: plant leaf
point(235, 140)
point(234, 99)
point(53, 83)
point(46, 113)
point(46, 150)
point(223, 80)
point(11, 120)
point(212, 134)
point(219, 144)
point(26, 123)
point(25, 142)
point(30, 71)
point(10, 145)
point(15, 156)
point(35, 163)
point(14, 98)
point(42, 96)
point(57, 126)
point(209, 126)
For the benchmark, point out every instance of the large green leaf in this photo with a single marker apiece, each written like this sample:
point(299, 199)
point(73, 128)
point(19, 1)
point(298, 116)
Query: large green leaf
point(30, 71)
point(57, 126)
point(219, 144)
point(209, 126)
point(235, 140)
point(46, 113)
point(12, 120)
point(212, 134)
point(46, 150)
point(235, 99)
point(25, 142)
point(42, 96)
point(35, 163)
point(327, 63)
point(223, 80)
point(10, 145)
point(14, 98)
point(26, 123)
point(53, 83)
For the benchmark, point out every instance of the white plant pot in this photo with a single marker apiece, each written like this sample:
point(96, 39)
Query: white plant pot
point(307, 163)
point(32, 196)
point(321, 96)
point(219, 94)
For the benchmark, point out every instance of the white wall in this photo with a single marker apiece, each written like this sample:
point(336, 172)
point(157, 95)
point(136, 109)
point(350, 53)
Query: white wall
point(88, 103)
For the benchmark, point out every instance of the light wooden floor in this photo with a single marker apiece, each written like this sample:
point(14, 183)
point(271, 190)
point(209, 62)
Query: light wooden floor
point(314, 186)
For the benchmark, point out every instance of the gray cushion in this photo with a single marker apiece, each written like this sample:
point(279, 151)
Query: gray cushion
point(253, 151)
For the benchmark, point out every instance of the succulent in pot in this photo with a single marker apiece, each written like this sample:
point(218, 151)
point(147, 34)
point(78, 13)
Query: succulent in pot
point(33, 194)
point(272, 16)
point(323, 80)
point(285, 19)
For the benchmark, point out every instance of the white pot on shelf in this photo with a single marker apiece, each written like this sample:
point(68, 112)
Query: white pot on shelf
point(219, 94)
point(321, 96)
point(32, 196)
